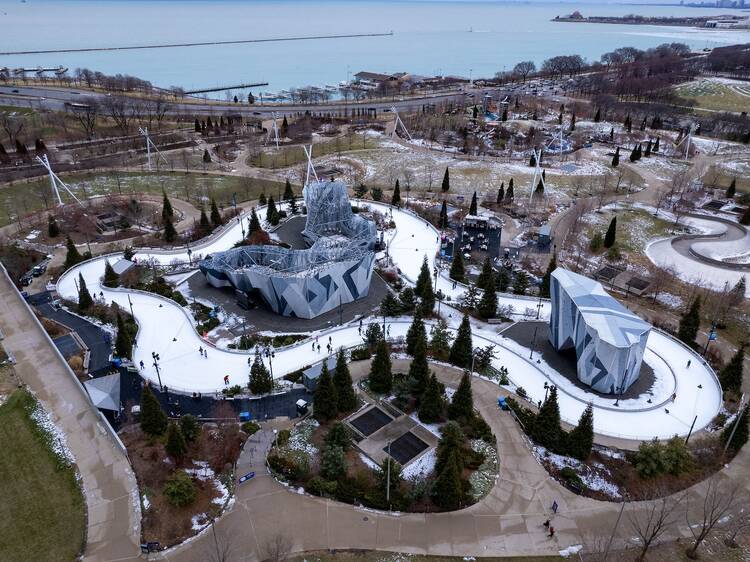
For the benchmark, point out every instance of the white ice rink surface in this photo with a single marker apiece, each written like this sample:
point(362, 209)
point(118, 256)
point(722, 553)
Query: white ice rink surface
point(167, 328)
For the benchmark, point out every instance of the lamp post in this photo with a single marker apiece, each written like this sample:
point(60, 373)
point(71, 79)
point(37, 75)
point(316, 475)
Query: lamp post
point(546, 390)
point(131, 306)
point(270, 354)
point(190, 255)
point(155, 357)
point(711, 337)
point(533, 341)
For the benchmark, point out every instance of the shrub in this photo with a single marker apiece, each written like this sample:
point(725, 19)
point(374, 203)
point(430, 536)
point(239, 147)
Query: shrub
point(319, 486)
point(251, 427)
point(597, 242)
point(571, 478)
point(180, 489)
point(521, 391)
point(289, 466)
point(283, 437)
point(361, 353)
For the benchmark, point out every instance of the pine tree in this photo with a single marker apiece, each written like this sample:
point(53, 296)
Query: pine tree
point(284, 127)
point(501, 193)
point(440, 343)
point(504, 116)
point(447, 492)
point(656, 146)
point(462, 404)
point(166, 207)
point(415, 333)
point(153, 418)
point(647, 153)
point(598, 116)
point(616, 158)
point(520, 283)
point(396, 197)
point(111, 279)
point(175, 445)
point(419, 370)
point(443, 221)
point(487, 307)
point(546, 429)
point(431, 403)
point(346, 400)
point(486, 279)
point(473, 206)
point(215, 214)
point(573, 122)
point(509, 194)
point(73, 256)
point(732, 189)
point(52, 229)
point(634, 154)
point(745, 218)
point(390, 306)
point(446, 185)
point(547, 278)
point(190, 427)
point(690, 323)
point(325, 401)
point(539, 191)
point(451, 442)
point(612, 133)
point(423, 289)
point(123, 345)
point(470, 298)
point(206, 156)
point(731, 375)
point(581, 439)
point(84, 297)
point(272, 214)
point(740, 434)
point(332, 462)
point(254, 223)
point(381, 378)
point(462, 348)
point(532, 160)
point(197, 125)
point(260, 379)
point(288, 191)
point(611, 235)
point(170, 232)
point(457, 271)
point(503, 280)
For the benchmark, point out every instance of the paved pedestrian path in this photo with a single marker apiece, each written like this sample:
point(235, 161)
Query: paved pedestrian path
point(109, 486)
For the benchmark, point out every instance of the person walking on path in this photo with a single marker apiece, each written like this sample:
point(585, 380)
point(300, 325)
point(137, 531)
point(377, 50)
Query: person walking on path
point(554, 507)
point(546, 524)
point(551, 531)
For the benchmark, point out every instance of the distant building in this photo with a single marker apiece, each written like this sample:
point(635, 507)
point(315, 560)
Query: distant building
point(311, 375)
point(608, 339)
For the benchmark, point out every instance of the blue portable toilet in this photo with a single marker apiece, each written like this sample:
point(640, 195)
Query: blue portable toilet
point(502, 403)
point(245, 416)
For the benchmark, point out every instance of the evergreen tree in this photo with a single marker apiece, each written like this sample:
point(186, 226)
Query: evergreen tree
point(254, 223)
point(293, 207)
point(532, 160)
point(419, 370)
point(473, 206)
point(446, 185)
point(423, 288)
point(503, 280)
point(612, 133)
point(616, 158)
point(262, 199)
point(731, 375)
point(470, 299)
point(408, 299)
point(745, 218)
point(504, 116)
point(740, 434)
point(73, 256)
point(462, 348)
point(462, 404)
point(332, 463)
point(690, 323)
point(373, 335)
point(197, 125)
point(656, 146)
point(520, 283)
point(509, 194)
point(325, 401)
point(581, 439)
point(52, 229)
point(732, 189)
point(486, 279)
point(539, 191)
point(175, 445)
point(206, 156)
point(546, 429)
point(457, 271)
point(153, 418)
point(415, 333)
point(573, 122)
point(111, 279)
point(447, 492)
point(598, 116)
point(260, 379)
point(288, 191)
point(487, 307)
point(501, 193)
point(443, 220)
point(338, 436)
point(381, 378)
point(190, 427)
point(451, 442)
point(431, 404)
point(440, 344)
point(215, 214)
point(170, 232)
point(390, 306)
point(611, 235)
point(123, 345)
point(166, 207)
point(272, 214)
point(346, 400)
point(84, 297)
point(547, 278)
point(634, 154)
point(396, 197)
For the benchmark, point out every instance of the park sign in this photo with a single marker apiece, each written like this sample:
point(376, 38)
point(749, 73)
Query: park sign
point(246, 477)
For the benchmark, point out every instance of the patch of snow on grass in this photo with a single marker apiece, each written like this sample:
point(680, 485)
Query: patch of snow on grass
point(422, 467)
point(54, 438)
point(571, 550)
point(593, 479)
point(483, 478)
point(433, 428)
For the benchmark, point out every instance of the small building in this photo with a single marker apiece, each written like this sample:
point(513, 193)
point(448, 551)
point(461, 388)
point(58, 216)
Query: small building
point(122, 266)
point(311, 375)
point(544, 237)
point(482, 222)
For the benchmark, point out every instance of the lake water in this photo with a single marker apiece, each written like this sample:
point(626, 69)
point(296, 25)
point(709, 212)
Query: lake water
point(429, 37)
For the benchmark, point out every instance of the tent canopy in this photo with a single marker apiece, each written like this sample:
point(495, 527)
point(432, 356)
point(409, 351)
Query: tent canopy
point(105, 392)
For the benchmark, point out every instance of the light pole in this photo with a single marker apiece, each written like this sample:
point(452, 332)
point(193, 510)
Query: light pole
point(131, 306)
point(388, 485)
point(270, 354)
point(190, 255)
point(546, 390)
point(155, 356)
point(533, 341)
point(711, 337)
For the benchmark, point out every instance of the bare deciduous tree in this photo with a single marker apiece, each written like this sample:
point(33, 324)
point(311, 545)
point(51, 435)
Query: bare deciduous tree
point(739, 523)
point(651, 521)
point(719, 498)
point(122, 112)
point(87, 116)
point(219, 547)
point(12, 126)
point(278, 547)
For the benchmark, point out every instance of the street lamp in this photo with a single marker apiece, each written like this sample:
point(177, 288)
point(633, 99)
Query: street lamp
point(546, 390)
point(533, 341)
point(270, 354)
point(155, 357)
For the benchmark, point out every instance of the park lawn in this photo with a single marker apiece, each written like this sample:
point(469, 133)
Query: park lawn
point(708, 94)
point(380, 556)
point(42, 511)
point(24, 198)
point(287, 156)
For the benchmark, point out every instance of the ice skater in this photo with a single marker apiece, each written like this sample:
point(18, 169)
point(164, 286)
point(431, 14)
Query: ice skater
point(318, 348)
point(226, 380)
point(689, 362)
point(200, 350)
